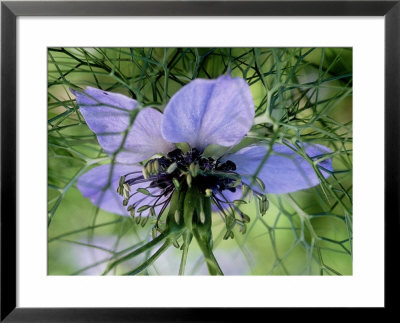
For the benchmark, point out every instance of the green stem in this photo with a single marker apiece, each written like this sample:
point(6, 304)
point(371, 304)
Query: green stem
point(151, 260)
point(187, 238)
point(137, 252)
point(202, 231)
point(212, 264)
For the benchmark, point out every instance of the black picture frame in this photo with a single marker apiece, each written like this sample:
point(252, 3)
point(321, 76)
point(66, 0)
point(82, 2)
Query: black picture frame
point(10, 10)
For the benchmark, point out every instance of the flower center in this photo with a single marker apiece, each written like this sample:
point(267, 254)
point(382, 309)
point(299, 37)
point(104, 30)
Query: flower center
point(167, 173)
point(205, 173)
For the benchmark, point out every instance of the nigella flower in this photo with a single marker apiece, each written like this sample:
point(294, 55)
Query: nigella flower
point(202, 113)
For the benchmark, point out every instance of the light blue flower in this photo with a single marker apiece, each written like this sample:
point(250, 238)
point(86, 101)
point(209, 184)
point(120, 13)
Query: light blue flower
point(203, 112)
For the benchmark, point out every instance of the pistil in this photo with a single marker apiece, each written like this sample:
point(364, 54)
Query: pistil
point(171, 172)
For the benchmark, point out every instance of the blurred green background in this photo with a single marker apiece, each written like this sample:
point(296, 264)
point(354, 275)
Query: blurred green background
point(302, 94)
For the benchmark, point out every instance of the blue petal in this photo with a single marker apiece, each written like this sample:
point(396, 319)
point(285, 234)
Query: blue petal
point(144, 139)
point(285, 170)
point(108, 115)
point(95, 185)
point(208, 112)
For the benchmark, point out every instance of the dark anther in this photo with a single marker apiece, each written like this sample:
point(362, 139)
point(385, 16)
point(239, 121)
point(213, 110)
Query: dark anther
point(196, 154)
point(210, 174)
point(164, 162)
point(175, 154)
point(227, 166)
point(230, 165)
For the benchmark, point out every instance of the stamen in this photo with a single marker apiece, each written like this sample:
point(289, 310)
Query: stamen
point(173, 172)
point(260, 183)
point(144, 221)
point(143, 208)
point(145, 173)
point(176, 183)
point(156, 166)
point(172, 168)
point(189, 180)
point(263, 204)
point(144, 191)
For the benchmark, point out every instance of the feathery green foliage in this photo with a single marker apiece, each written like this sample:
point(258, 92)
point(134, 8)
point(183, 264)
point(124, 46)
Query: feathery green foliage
point(300, 95)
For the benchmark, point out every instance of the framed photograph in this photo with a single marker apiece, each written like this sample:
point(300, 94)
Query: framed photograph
point(196, 158)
